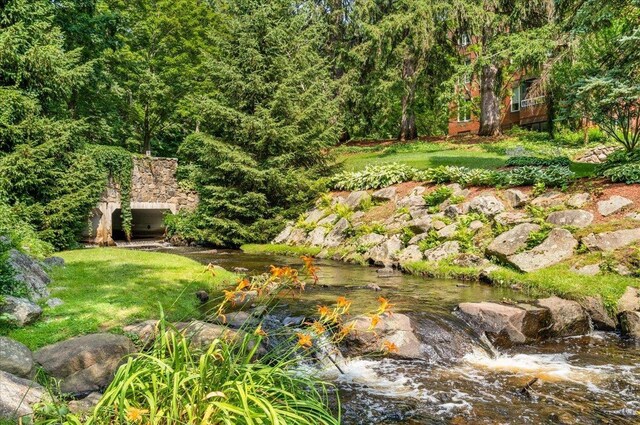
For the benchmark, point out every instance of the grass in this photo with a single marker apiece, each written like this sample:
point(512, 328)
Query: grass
point(106, 288)
point(281, 249)
point(423, 155)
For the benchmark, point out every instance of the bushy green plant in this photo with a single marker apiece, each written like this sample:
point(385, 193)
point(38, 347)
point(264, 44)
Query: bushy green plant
point(373, 177)
point(521, 161)
point(431, 240)
point(437, 196)
point(536, 238)
point(627, 173)
point(8, 284)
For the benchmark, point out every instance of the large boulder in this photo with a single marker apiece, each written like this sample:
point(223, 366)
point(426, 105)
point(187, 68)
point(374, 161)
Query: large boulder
point(630, 300)
point(283, 236)
point(30, 273)
point(610, 241)
point(202, 334)
point(384, 254)
point(443, 251)
point(575, 218)
point(416, 202)
point(371, 239)
point(410, 254)
point(568, 317)
point(488, 205)
point(355, 199)
point(385, 194)
point(613, 205)
point(516, 198)
point(314, 216)
point(18, 395)
point(336, 236)
point(598, 313)
point(317, 235)
point(420, 224)
point(144, 332)
point(15, 358)
point(511, 241)
point(630, 324)
point(21, 311)
point(85, 363)
point(297, 236)
point(506, 325)
point(559, 246)
point(393, 328)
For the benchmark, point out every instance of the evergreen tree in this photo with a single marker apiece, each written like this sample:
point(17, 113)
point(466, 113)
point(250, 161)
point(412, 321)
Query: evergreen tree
point(267, 114)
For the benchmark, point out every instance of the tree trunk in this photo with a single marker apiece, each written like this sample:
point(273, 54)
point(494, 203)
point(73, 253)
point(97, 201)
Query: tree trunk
point(408, 129)
point(146, 132)
point(490, 101)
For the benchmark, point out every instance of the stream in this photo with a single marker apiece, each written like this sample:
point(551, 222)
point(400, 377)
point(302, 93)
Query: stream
point(592, 379)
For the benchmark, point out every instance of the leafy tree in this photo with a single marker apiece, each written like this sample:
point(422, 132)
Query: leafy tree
point(400, 58)
point(155, 66)
point(506, 37)
point(268, 113)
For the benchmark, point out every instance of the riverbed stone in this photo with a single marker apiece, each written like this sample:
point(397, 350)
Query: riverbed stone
point(594, 306)
point(630, 324)
point(613, 205)
point(511, 218)
point(371, 239)
point(487, 205)
point(448, 231)
point(336, 236)
point(549, 200)
point(578, 200)
point(394, 328)
point(385, 194)
point(506, 325)
point(610, 241)
point(18, 395)
point(574, 218)
point(355, 199)
point(630, 300)
point(568, 317)
point(283, 236)
point(384, 254)
point(317, 235)
point(511, 241)
point(15, 358)
point(516, 198)
point(443, 251)
point(410, 254)
point(202, 334)
point(559, 246)
point(85, 363)
point(29, 272)
point(22, 312)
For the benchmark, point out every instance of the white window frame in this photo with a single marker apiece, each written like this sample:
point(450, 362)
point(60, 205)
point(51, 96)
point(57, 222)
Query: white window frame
point(466, 109)
point(516, 93)
point(464, 40)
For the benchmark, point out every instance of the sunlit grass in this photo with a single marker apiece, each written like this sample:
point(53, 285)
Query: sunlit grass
point(105, 288)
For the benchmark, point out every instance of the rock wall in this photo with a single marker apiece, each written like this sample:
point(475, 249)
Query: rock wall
point(153, 187)
point(596, 155)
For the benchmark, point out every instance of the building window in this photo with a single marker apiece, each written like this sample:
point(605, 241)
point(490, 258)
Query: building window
point(464, 111)
point(515, 99)
point(464, 40)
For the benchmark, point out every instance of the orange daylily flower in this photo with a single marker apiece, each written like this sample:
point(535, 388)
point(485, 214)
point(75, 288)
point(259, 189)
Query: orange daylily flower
point(304, 340)
point(390, 347)
point(374, 321)
point(385, 305)
point(242, 283)
point(259, 331)
point(345, 331)
point(323, 310)
point(343, 302)
point(134, 414)
point(318, 328)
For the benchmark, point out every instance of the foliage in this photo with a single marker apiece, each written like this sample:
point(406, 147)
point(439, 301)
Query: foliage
point(627, 173)
point(373, 177)
point(8, 284)
point(521, 161)
point(437, 196)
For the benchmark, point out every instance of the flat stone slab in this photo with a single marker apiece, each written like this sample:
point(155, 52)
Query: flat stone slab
point(613, 205)
point(510, 242)
point(610, 241)
point(574, 218)
point(559, 246)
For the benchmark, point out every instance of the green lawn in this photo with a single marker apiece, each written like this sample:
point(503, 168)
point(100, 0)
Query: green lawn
point(105, 288)
point(423, 155)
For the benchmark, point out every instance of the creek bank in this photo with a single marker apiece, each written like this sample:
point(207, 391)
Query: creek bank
point(554, 243)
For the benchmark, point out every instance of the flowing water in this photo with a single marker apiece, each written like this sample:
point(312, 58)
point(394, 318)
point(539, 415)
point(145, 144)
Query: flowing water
point(593, 379)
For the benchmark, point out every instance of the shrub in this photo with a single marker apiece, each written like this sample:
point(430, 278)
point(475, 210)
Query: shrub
point(438, 196)
point(373, 177)
point(8, 284)
point(521, 161)
point(627, 173)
